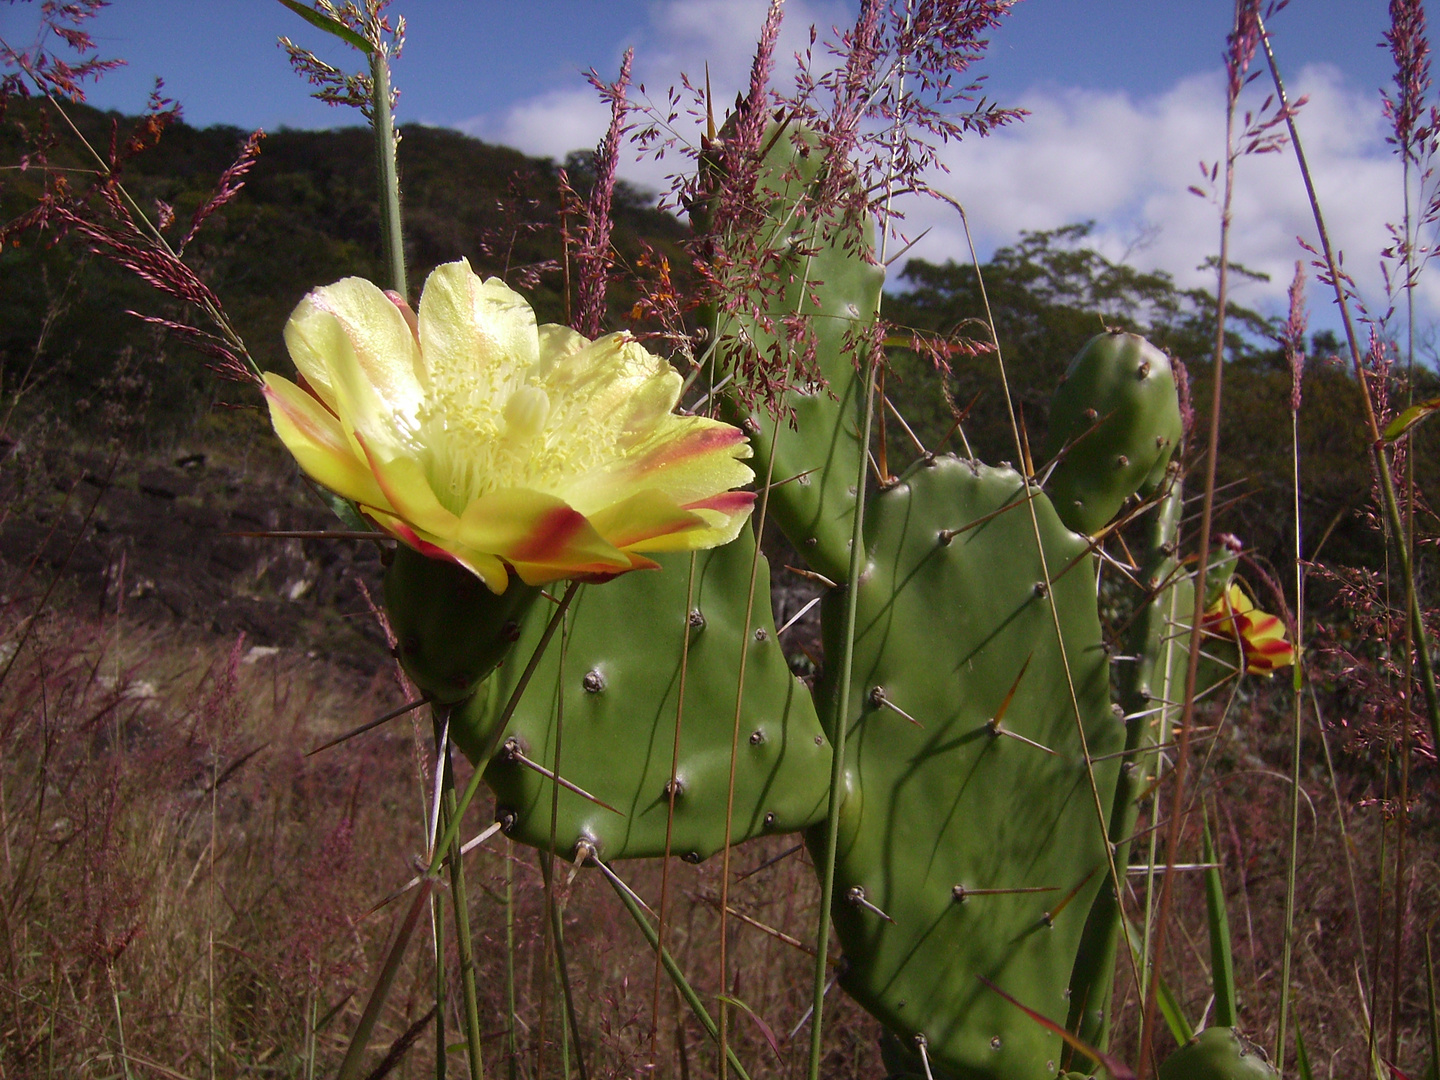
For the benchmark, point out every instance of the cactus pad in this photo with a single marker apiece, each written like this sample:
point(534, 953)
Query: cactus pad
point(833, 285)
point(1218, 1053)
point(620, 687)
point(954, 626)
point(1117, 417)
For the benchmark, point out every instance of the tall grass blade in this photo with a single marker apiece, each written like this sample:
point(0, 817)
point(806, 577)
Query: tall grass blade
point(511, 1041)
point(330, 25)
point(677, 977)
point(383, 124)
point(1380, 463)
point(350, 1065)
point(1222, 961)
point(1181, 1029)
point(1434, 1017)
point(826, 868)
point(464, 943)
point(1302, 1059)
point(562, 967)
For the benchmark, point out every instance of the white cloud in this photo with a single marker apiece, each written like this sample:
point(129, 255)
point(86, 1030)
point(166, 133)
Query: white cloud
point(680, 37)
point(1124, 162)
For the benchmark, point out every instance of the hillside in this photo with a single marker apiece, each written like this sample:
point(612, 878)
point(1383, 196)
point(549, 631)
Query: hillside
point(307, 215)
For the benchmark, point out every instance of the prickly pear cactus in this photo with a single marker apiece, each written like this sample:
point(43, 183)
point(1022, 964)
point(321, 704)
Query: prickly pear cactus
point(1117, 417)
point(1152, 672)
point(969, 845)
point(450, 630)
point(834, 286)
point(1218, 1053)
point(620, 687)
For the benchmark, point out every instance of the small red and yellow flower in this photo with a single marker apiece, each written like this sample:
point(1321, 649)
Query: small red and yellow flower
point(1262, 636)
point(474, 435)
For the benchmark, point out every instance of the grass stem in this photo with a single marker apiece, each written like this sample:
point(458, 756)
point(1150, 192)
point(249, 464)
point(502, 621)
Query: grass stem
point(677, 977)
point(464, 944)
point(383, 126)
point(1380, 462)
point(838, 726)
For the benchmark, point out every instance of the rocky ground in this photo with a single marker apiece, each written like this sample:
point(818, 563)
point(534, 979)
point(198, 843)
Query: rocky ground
point(158, 537)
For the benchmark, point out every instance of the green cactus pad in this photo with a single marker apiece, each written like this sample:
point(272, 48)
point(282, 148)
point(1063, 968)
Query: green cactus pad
point(835, 286)
point(1156, 674)
point(450, 630)
point(1218, 1053)
point(1118, 413)
point(948, 617)
point(620, 688)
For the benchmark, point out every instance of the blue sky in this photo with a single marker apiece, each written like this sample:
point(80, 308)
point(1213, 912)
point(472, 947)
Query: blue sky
point(468, 59)
point(1126, 98)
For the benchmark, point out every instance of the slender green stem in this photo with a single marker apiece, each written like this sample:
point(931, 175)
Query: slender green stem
point(452, 829)
point(1167, 714)
point(383, 124)
point(1345, 845)
point(671, 968)
point(1222, 956)
point(547, 870)
point(437, 925)
point(720, 1004)
point(1147, 641)
point(838, 726)
point(312, 1016)
point(464, 944)
point(1192, 668)
point(119, 1024)
point(551, 941)
point(1402, 819)
point(1434, 1011)
point(350, 1065)
point(671, 792)
point(1298, 684)
point(510, 1036)
point(562, 968)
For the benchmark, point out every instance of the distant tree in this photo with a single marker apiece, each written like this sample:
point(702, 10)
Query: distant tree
point(306, 216)
point(1050, 293)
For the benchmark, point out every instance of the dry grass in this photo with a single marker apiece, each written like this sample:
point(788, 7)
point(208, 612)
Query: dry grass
point(184, 893)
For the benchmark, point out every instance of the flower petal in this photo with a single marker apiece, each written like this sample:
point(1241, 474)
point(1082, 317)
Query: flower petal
point(487, 568)
point(403, 481)
point(355, 348)
point(557, 342)
point(687, 457)
point(539, 535)
point(314, 436)
point(613, 383)
point(644, 519)
point(469, 327)
point(1262, 635)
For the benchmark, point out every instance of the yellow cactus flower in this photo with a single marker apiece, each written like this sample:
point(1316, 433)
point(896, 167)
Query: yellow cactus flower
point(474, 435)
point(1262, 636)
